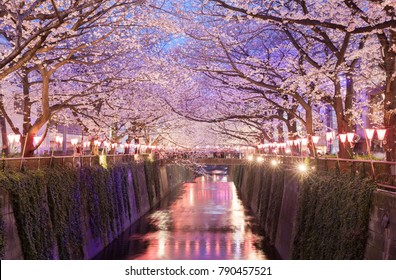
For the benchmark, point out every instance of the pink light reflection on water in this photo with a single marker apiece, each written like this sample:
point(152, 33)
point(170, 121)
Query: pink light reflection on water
point(207, 222)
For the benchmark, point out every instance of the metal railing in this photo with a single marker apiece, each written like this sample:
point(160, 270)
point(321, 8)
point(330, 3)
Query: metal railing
point(30, 163)
point(382, 172)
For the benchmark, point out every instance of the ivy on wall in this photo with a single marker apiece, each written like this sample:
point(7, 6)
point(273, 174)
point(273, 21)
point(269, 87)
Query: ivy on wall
point(54, 207)
point(333, 211)
point(64, 197)
point(29, 199)
point(332, 218)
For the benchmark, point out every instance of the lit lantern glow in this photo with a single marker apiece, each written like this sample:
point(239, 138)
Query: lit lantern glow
point(315, 139)
point(350, 136)
point(369, 133)
point(381, 134)
point(343, 137)
point(250, 158)
point(260, 159)
point(11, 138)
point(59, 139)
point(274, 162)
point(36, 139)
point(329, 136)
point(17, 138)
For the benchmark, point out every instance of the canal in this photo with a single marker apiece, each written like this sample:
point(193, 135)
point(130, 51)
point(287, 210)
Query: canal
point(204, 219)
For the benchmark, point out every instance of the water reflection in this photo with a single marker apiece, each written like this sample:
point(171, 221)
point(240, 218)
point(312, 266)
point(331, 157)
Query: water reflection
point(205, 221)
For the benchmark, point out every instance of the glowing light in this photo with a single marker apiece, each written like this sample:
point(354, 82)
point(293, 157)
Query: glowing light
point(288, 151)
point(369, 133)
point(250, 158)
point(304, 141)
point(17, 138)
point(329, 136)
point(350, 136)
point(74, 141)
point(11, 138)
point(36, 139)
point(302, 167)
point(296, 142)
point(103, 161)
point(315, 139)
point(260, 159)
point(59, 139)
point(289, 142)
point(381, 134)
point(96, 142)
point(86, 144)
point(343, 137)
point(274, 162)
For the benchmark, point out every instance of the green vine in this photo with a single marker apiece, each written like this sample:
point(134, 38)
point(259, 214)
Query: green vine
point(52, 206)
point(64, 199)
point(32, 215)
point(332, 218)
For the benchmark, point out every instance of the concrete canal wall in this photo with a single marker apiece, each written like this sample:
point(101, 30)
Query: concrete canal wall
point(319, 215)
point(75, 213)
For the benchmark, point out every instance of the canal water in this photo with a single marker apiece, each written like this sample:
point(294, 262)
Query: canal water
point(202, 220)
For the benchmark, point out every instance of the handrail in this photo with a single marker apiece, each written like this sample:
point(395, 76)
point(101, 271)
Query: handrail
point(49, 161)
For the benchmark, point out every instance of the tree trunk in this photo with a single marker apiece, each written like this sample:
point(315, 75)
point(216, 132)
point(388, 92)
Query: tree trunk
point(292, 128)
point(345, 150)
point(28, 147)
point(4, 138)
point(309, 129)
point(390, 99)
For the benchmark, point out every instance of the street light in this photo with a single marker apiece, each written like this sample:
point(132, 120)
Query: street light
point(302, 168)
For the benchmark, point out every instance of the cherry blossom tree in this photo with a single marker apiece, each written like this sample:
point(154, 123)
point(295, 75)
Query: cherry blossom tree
point(354, 21)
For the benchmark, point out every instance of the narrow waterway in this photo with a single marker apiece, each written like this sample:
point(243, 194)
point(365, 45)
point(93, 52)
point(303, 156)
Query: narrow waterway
point(205, 219)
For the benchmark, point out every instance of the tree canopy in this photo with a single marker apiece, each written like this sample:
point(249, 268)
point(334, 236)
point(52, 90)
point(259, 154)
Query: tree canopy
point(200, 72)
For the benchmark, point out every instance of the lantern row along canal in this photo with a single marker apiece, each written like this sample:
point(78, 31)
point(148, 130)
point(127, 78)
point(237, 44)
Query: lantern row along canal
point(204, 219)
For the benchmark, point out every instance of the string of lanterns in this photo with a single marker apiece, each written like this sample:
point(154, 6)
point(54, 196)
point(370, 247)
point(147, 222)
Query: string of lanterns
point(344, 138)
